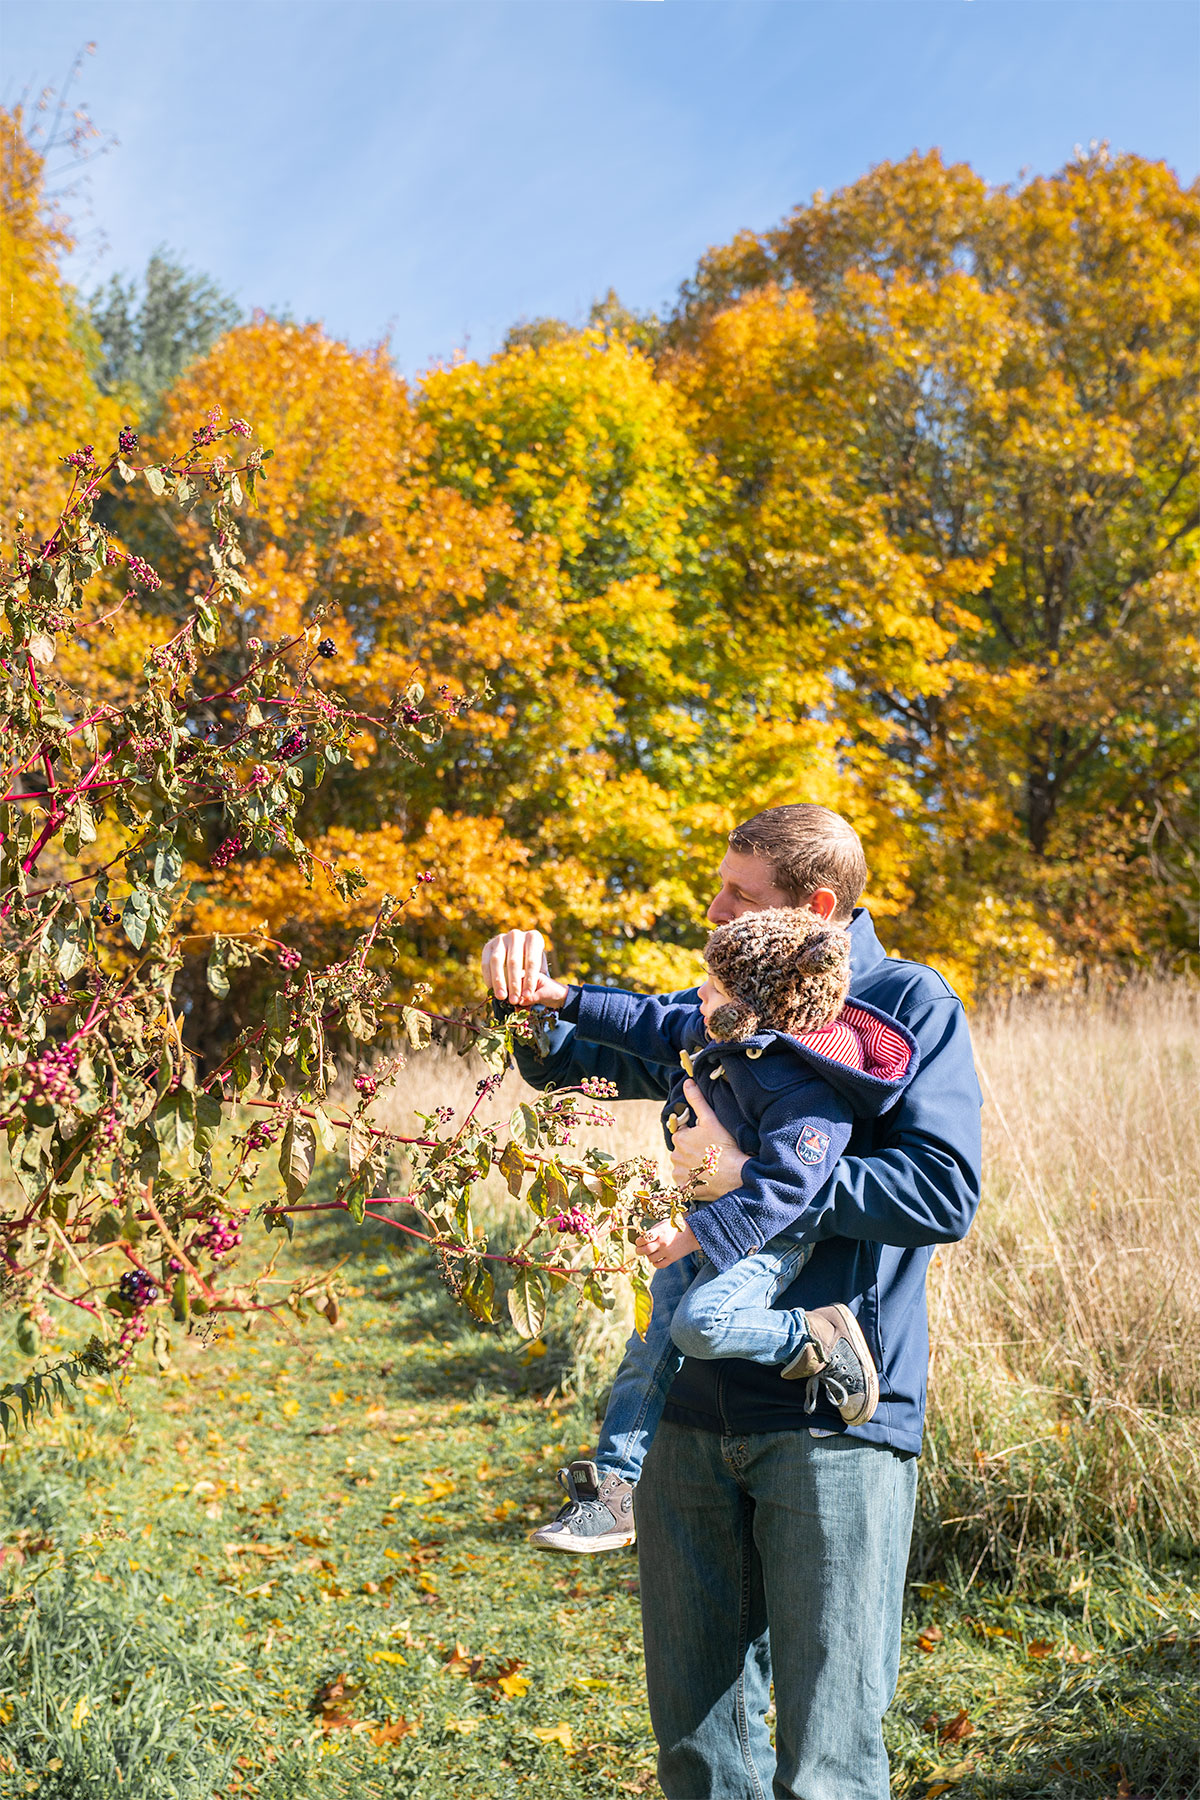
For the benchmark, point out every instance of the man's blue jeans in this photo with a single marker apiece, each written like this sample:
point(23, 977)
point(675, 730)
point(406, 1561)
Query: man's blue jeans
point(775, 1554)
point(699, 1311)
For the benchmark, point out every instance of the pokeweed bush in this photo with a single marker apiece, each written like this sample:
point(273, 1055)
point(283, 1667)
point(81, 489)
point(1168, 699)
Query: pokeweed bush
point(132, 1161)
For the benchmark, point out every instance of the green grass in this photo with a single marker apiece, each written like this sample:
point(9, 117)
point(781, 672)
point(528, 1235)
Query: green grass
point(350, 1507)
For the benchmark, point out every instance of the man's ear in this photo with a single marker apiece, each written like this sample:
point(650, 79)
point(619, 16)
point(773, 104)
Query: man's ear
point(823, 901)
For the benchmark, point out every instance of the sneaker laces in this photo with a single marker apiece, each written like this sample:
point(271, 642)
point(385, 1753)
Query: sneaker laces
point(837, 1391)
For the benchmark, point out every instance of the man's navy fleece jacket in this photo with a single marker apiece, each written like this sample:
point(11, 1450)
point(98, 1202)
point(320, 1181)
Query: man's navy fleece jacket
point(906, 1183)
point(790, 1107)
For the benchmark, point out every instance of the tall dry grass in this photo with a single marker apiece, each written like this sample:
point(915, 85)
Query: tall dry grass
point(1065, 1373)
point(1065, 1370)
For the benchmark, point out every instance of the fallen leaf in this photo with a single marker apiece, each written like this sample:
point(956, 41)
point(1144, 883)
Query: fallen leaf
point(956, 1729)
point(81, 1712)
point(555, 1734)
point(394, 1730)
point(513, 1685)
point(1039, 1647)
point(332, 1702)
point(464, 1727)
point(929, 1638)
point(386, 1656)
point(290, 1408)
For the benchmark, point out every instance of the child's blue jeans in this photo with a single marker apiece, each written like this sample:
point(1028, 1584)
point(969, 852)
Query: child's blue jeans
point(699, 1311)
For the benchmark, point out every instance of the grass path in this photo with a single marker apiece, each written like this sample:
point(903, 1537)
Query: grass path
point(307, 1564)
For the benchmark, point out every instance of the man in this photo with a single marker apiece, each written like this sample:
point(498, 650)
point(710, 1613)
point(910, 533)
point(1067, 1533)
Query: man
point(769, 1549)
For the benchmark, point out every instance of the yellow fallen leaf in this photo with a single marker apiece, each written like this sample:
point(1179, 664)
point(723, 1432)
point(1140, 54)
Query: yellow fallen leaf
point(290, 1408)
point(464, 1727)
point(502, 1511)
point(438, 1486)
point(338, 1397)
point(394, 1555)
point(513, 1685)
point(387, 1656)
point(555, 1734)
point(82, 1711)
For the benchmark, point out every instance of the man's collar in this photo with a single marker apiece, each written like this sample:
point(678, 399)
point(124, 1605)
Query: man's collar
point(866, 951)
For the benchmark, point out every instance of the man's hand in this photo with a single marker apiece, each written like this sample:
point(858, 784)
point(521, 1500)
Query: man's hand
point(666, 1243)
point(516, 970)
point(693, 1142)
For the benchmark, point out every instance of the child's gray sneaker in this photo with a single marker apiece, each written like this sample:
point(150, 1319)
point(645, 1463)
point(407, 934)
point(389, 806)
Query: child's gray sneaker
point(598, 1514)
point(836, 1358)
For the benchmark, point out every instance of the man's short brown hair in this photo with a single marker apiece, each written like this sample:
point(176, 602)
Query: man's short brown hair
point(808, 847)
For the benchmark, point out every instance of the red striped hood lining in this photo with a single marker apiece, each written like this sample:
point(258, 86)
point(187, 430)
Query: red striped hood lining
point(860, 1041)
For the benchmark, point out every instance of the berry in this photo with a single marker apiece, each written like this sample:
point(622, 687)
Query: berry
point(367, 1086)
point(139, 1288)
point(575, 1221)
point(141, 571)
point(326, 647)
point(288, 958)
point(127, 440)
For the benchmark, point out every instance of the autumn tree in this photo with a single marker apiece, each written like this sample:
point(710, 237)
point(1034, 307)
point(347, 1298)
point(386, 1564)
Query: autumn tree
point(995, 389)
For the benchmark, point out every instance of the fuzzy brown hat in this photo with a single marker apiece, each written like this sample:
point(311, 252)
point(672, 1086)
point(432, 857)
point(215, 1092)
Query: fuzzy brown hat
point(787, 969)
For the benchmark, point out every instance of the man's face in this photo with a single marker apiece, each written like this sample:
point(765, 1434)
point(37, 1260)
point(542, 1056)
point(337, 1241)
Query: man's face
point(747, 886)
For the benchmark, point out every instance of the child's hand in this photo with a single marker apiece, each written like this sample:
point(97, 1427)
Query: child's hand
point(666, 1243)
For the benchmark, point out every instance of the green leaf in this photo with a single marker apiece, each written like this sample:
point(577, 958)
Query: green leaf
point(297, 1154)
point(175, 1121)
point(214, 974)
point(29, 1336)
point(527, 1303)
point(556, 1188)
point(326, 1137)
point(134, 916)
point(479, 1294)
point(524, 1126)
point(512, 1167)
point(180, 1307)
point(208, 1122)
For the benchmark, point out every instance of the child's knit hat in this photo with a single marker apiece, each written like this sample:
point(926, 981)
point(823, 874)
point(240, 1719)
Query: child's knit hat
point(787, 970)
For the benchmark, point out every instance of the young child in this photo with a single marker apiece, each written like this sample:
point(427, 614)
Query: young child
point(787, 1066)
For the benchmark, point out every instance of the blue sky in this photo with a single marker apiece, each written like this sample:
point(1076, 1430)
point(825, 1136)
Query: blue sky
point(436, 169)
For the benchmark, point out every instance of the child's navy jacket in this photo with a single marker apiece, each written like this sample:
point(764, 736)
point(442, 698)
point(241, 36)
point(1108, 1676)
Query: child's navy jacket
point(907, 1183)
point(790, 1107)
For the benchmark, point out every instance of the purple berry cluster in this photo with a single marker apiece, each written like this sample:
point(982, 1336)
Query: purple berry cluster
point(294, 744)
point(575, 1220)
point(141, 571)
point(83, 458)
point(367, 1086)
point(596, 1088)
point(239, 428)
point(326, 647)
point(288, 958)
point(138, 1288)
point(218, 1237)
point(53, 1072)
point(225, 853)
point(127, 440)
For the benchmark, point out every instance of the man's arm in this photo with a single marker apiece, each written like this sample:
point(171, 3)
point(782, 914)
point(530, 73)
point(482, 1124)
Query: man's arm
point(919, 1186)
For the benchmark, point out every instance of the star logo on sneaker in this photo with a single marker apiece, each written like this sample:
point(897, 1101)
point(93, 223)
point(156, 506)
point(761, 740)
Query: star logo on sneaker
point(813, 1145)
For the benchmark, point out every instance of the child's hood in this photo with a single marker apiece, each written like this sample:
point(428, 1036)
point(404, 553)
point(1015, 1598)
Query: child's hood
point(889, 1056)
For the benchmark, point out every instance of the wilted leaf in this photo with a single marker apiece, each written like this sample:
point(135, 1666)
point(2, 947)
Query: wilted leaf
point(512, 1167)
point(643, 1306)
point(297, 1153)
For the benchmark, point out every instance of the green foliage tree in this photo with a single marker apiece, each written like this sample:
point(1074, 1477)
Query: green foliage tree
point(149, 332)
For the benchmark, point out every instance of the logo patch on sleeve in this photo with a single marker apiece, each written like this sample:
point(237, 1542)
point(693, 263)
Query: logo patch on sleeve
point(813, 1145)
